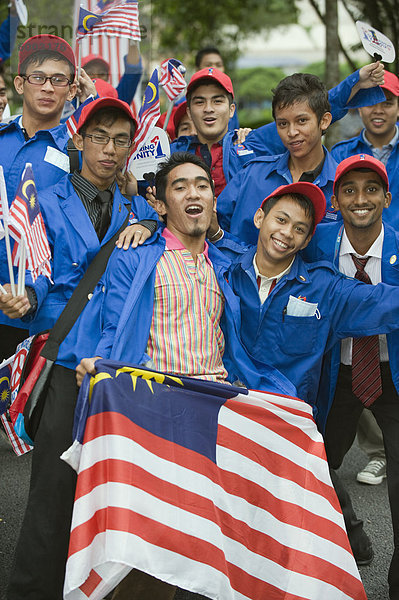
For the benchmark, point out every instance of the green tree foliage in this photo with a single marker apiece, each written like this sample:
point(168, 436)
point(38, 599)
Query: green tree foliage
point(181, 27)
point(254, 85)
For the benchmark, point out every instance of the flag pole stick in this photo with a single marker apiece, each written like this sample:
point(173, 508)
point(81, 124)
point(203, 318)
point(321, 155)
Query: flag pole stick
point(21, 267)
point(169, 112)
point(4, 204)
point(2, 290)
point(79, 69)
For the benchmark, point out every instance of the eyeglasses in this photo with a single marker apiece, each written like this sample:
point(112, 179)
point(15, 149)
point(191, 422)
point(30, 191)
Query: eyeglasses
point(55, 80)
point(97, 138)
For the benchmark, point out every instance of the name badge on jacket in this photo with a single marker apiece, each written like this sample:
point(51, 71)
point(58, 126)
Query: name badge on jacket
point(57, 158)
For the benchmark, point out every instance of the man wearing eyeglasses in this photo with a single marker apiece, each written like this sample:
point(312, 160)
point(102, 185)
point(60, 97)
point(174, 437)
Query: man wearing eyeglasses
point(45, 80)
point(81, 212)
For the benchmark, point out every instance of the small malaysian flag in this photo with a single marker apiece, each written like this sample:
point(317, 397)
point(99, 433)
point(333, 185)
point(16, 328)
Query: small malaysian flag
point(122, 20)
point(171, 79)
point(149, 112)
point(25, 219)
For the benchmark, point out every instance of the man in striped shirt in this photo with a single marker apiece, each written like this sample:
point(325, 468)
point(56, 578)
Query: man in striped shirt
point(170, 302)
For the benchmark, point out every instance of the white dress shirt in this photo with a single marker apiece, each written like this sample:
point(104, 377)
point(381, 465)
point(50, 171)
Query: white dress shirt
point(373, 270)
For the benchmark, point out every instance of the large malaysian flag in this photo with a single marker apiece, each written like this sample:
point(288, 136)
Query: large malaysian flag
point(219, 491)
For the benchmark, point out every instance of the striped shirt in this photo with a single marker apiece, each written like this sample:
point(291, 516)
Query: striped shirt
point(185, 335)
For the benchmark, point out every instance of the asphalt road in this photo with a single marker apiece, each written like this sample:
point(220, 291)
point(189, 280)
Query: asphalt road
point(370, 502)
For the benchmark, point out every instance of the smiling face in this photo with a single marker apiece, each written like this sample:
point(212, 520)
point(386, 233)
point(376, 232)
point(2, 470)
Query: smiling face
point(45, 101)
point(189, 202)
point(3, 97)
point(380, 119)
point(101, 162)
point(299, 129)
point(283, 231)
point(361, 199)
point(210, 111)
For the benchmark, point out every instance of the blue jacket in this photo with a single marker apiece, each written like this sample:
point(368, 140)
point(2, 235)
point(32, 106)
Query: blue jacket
point(356, 145)
point(296, 346)
point(325, 245)
point(241, 198)
point(74, 243)
point(46, 151)
point(235, 156)
point(128, 294)
point(265, 139)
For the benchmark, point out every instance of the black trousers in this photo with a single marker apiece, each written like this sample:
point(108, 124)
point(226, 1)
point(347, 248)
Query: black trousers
point(340, 434)
point(40, 558)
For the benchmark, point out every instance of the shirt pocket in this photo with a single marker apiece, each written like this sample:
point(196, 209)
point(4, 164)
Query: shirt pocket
point(298, 335)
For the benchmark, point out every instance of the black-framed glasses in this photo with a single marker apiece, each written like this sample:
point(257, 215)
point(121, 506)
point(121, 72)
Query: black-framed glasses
point(99, 138)
point(55, 80)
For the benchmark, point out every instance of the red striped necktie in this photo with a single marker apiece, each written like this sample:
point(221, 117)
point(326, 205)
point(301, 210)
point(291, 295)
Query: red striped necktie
point(366, 372)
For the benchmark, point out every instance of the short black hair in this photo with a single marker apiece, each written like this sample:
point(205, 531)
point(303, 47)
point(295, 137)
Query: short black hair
point(303, 201)
point(203, 52)
point(38, 58)
point(107, 116)
point(362, 170)
point(301, 87)
point(197, 84)
point(175, 160)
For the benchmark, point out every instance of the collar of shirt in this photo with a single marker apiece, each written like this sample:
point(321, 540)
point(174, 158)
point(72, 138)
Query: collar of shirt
point(59, 133)
point(390, 144)
point(84, 187)
point(310, 176)
point(173, 243)
point(276, 277)
point(374, 251)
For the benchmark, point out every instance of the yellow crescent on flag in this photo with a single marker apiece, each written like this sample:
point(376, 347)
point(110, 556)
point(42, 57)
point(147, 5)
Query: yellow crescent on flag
point(25, 185)
point(154, 90)
point(84, 22)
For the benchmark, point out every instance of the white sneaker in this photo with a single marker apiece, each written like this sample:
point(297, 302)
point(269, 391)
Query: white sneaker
point(374, 472)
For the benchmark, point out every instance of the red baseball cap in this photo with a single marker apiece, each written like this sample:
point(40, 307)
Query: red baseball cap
point(95, 57)
point(105, 89)
point(310, 190)
point(214, 75)
point(93, 107)
point(38, 43)
point(180, 111)
point(361, 161)
point(391, 83)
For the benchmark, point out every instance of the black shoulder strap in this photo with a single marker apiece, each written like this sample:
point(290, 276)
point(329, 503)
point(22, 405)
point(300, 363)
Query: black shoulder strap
point(80, 297)
point(73, 154)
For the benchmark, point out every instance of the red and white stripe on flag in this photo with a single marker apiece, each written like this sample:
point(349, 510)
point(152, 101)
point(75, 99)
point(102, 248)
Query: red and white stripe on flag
point(171, 80)
point(263, 521)
point(18, 445)
point(112, 49)
point(121, 20)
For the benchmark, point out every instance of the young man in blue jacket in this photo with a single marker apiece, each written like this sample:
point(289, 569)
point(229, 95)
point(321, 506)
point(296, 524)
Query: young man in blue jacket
point(361, 192)
point(210, 104)
point(379, 138)
point(302, 114)
point(45, 80)
point(77, 227)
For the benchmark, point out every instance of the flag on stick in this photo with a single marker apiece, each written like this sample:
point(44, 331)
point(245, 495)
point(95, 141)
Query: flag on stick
point(122, 20)
point(209, 487)
point(149, 112)
point(171, 79)
point(25, 219)
point(5, 384)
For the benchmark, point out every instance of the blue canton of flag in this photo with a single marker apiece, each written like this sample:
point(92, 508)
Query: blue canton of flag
point(87, 20)
point(5, 387)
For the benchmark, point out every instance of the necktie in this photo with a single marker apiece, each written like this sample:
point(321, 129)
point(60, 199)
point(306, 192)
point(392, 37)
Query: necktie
point(366, 372)
point(103, 198)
